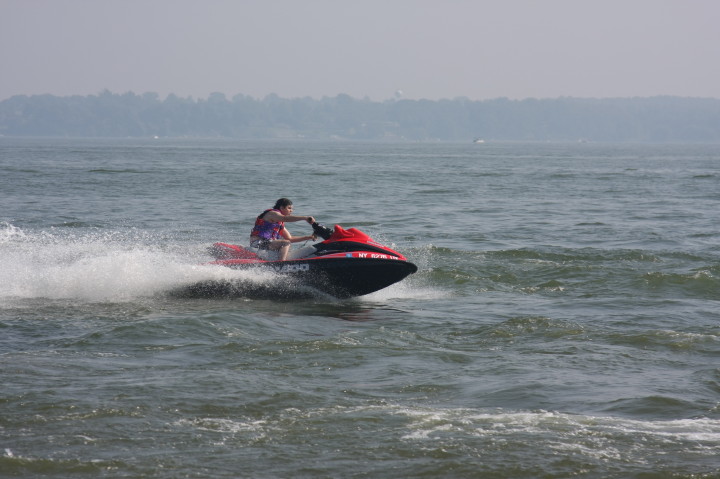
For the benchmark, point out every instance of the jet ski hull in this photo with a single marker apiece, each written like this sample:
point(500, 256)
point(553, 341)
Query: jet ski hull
point(338, 277)
point(343, 277)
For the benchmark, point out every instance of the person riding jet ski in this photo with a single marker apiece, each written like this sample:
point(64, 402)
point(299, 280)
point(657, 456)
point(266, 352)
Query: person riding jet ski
point(269, 232)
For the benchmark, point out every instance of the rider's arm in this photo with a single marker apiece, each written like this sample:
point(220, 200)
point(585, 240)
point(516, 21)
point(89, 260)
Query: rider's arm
point(275, 217)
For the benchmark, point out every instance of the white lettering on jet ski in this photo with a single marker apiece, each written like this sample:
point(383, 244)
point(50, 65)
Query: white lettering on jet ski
point(291, 268)
point(373, 255)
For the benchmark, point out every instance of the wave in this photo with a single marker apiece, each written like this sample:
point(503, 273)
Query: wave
point(459, 437)
point(704, 282)
point(116, 170)
point(407, 440)
point(706, 342)
point(587, 272)
point(423, 423)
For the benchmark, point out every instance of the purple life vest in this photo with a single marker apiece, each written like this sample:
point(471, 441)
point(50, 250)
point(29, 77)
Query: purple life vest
point(265, 229)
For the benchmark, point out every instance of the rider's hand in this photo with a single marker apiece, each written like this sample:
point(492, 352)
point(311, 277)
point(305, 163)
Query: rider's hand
point(310, 219)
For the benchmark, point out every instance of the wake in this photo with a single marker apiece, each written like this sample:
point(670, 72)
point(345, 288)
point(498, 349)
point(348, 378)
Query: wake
point(102, 266)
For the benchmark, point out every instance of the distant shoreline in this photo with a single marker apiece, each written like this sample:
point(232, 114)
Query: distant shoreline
point(108, 115)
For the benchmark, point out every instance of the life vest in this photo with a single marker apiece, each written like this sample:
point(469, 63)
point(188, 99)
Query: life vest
point(266, 229)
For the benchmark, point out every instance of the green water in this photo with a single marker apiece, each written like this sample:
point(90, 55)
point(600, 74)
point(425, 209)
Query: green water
point(564, 320)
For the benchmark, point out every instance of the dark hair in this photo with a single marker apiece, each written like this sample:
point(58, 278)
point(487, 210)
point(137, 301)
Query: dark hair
point(282, 202)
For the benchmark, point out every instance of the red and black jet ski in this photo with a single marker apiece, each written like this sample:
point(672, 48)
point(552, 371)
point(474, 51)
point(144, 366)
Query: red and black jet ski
point(347, 263)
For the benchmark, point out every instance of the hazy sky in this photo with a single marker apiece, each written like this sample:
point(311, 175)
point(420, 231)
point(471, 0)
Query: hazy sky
point(366, 48)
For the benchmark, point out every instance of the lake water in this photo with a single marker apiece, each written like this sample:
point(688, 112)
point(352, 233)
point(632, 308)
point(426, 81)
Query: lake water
point(564, 321)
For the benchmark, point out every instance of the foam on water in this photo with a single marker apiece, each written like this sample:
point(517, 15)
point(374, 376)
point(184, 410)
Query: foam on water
point(425, 422)
point(100, 266)
point(589, 439)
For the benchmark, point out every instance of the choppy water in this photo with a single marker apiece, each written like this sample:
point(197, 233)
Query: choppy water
point(565, 320)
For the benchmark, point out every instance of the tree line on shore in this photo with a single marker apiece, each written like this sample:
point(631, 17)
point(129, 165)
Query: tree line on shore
point(646, 119)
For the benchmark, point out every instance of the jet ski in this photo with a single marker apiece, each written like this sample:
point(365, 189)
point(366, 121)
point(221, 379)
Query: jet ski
point(347, 263)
